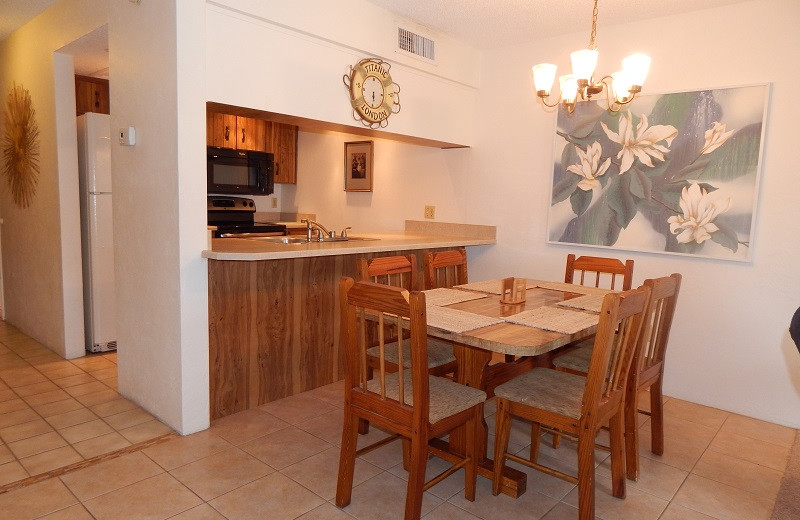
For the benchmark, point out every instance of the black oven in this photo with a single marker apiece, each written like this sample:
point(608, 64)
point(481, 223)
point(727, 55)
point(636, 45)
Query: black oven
point(240, 172)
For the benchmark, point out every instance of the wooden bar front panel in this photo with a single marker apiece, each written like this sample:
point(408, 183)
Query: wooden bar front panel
point(274, 327)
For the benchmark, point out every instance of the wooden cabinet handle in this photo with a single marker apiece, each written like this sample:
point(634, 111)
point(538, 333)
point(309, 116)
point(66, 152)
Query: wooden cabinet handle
point(227, 133)
point(277, 169)
point(242, 134)
point(97, 99)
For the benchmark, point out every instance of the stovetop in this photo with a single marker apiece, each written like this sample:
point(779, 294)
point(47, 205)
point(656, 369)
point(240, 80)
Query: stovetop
point(235, 216)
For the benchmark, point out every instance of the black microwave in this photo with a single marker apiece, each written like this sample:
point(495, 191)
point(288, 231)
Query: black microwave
point(241, 172)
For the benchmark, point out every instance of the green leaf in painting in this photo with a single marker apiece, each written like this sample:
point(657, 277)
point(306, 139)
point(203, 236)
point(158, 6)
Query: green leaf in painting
point(725, 236)
point(692, 170)
point(580, 200)
point(565, 187)
point(620, 200)
point(737, 157)
point(641, 185)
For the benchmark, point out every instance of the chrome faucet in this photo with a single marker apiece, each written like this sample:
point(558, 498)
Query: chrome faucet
point(321, 230)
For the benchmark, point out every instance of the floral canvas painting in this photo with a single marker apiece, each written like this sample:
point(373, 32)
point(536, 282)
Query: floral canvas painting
point(672, 173)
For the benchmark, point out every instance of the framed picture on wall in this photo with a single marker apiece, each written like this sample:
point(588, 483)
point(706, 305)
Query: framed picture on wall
point(358, 166)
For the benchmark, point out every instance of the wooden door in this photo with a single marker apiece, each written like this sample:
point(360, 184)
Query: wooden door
point(251, 134)
point(283, 144)
point(91, 95)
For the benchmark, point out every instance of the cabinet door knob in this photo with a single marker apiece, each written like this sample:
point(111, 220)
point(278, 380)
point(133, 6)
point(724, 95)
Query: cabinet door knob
point(227, 133)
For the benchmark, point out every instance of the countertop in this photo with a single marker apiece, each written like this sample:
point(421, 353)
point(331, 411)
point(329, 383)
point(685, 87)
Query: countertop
point(248, 250)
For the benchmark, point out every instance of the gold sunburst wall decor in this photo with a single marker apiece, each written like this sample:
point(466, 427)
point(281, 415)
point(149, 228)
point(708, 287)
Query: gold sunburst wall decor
point(21, 146)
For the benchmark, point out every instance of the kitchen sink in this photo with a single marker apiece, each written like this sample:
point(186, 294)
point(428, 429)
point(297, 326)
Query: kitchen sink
point(303, 240)
point(362, 238)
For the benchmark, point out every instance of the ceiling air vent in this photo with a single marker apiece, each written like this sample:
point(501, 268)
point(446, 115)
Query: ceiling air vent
point(416, 44)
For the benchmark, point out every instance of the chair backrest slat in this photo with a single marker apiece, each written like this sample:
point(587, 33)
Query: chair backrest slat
point(657, 324)
point(599, 266)
point(397, 271)
point(445, 268)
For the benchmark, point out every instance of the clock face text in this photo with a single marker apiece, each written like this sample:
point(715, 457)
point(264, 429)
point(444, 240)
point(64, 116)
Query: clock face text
point(373, 94)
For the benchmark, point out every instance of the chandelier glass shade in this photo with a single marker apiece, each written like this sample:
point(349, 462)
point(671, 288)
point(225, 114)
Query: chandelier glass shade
point(620, 87)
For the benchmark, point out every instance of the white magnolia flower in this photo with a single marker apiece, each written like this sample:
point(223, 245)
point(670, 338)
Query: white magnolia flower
point(589, 167)
point(642, 144)
point(715, 137)
point(699, 212)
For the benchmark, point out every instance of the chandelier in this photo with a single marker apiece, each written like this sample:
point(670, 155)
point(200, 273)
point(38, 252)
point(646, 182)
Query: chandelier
point(621, 87)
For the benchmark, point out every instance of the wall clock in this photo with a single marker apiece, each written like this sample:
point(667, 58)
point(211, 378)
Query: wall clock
point(21, 146)
point(373, 94)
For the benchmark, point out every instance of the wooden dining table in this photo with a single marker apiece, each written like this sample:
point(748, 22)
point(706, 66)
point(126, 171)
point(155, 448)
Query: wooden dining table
point(522, 347)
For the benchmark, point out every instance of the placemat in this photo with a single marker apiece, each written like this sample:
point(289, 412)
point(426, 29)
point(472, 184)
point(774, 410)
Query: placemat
point(587, 302)
point(443, 296)
point(455, 320)
point(568, 287)
point(487, 286)
point(556, 319)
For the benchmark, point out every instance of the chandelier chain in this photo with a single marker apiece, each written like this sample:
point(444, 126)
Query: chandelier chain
point(594, 27)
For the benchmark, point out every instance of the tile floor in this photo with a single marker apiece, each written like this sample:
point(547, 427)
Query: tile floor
point(54, 412)
point(279, 461)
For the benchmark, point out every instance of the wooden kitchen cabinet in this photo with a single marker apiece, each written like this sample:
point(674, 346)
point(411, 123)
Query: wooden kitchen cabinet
point(91, 95)
point(236, 132)
point(283, 145)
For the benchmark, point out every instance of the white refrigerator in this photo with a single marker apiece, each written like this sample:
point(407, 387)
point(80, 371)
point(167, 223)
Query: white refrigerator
point(97, 242)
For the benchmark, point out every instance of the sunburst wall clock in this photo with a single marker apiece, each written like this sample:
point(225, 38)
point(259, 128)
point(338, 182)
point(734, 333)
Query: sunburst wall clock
point(21, 146)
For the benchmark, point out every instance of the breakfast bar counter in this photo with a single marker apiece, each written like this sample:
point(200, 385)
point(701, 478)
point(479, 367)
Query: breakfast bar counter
point(274, 308)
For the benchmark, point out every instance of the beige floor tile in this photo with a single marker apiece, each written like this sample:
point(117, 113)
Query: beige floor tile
point(112, 383)
point(12, 472)
point(110, 475)
point(95, 398)
point(83, 431)
point(57, 407)
point(22, 377)
point(741, 474)
point(387, 456)
point(449, 487)
point(332, 394)
point(561, 511)
point(48, 368)
point(97, 365)
point(36, 388)
point(760, 430)
point(7, 394)
point(17, 417)
point(104, 373)
point(765, 453)
point(46, 397)
point(327, 511)
point(297, 408)
point(5, 454)
point(201, 512)
point(656, 478)
point(529, 505)
point(50, 460)
point(71, 418)
point(36, 500)
point(13, 405)
point(220, 473)
point(128, 418)
point(64, 372)
point(520, 431)
point(676, 512)
point(684, 443)
point(113, 407)
point(275, 496)
point(319, 472)
point(145, 431)
point(383, 498)
point(37, 444)
point(542, 482)
point(721, 501)
point(327, 427)
point(285, 447)
point(246, 426)
point(86, 388)
point(183, 450)
point(100, 445)
point(25, 430)
point(705, 415)
point(637, 505)
point(74, 380)
point(448, 511)
point(76, 512)
point(154, 498)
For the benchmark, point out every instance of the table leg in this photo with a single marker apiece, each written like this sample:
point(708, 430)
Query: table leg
point(472, 369)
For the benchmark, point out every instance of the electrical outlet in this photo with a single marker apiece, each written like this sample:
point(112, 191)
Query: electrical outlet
point(430, 211)
point(274, 202)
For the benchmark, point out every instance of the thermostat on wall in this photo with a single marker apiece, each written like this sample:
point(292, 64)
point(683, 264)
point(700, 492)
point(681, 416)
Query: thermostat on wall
point(127, 136)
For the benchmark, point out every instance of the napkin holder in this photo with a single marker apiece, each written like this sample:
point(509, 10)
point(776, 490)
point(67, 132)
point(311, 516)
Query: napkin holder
point(513, 291)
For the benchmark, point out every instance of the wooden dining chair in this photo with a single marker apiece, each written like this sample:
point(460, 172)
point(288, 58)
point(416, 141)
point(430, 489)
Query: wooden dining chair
point(583, 269)
point(445, 268)
point(410, 403)
point(647, 368)
point(578, 405)
point(401, 271)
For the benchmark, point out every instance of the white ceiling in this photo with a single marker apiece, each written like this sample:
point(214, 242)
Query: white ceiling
point(487, 24)
point(16, 13)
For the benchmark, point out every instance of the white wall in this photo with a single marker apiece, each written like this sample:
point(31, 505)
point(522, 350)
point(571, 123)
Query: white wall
point(729, 346)
point(156, 63)
point(41, 270)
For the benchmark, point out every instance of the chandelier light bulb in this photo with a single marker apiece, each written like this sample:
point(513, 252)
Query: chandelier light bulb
point(636, 67)
point(544, 74)
point(584, 62)
point(621, 86)
point(569, 88)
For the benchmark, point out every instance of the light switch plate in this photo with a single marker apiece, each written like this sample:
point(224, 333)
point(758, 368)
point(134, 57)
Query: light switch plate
point(127, 136)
